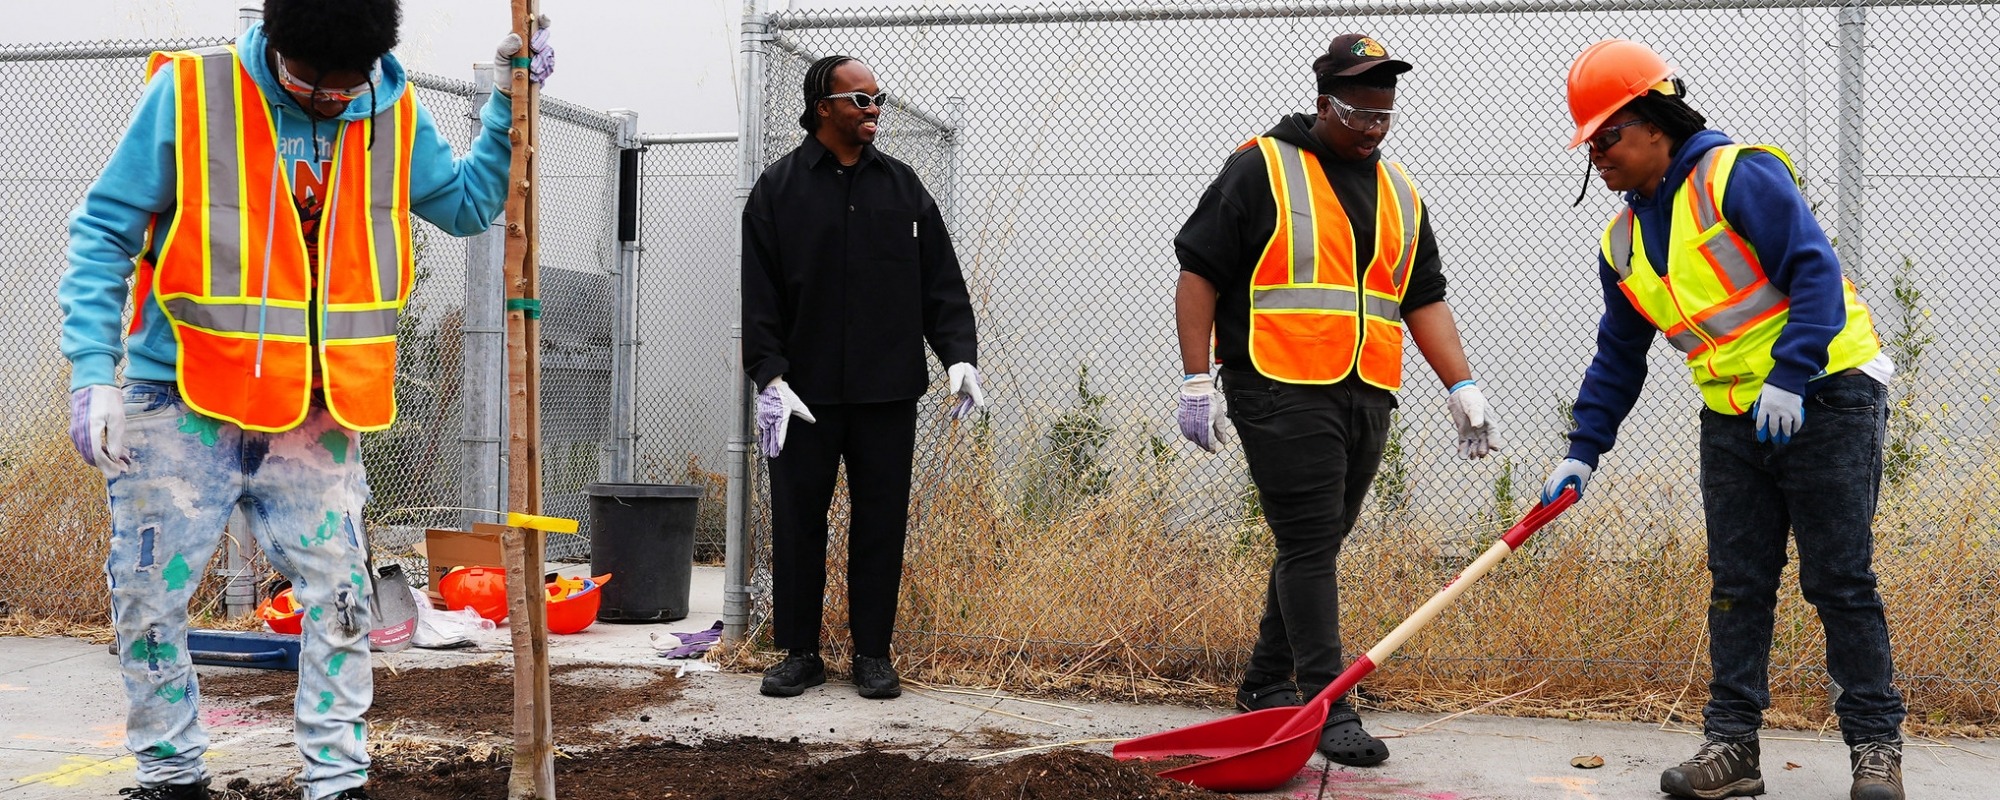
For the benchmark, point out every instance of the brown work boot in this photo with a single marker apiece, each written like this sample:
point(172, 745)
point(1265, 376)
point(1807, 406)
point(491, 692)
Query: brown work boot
point(1718, 770)
point(1878, 771)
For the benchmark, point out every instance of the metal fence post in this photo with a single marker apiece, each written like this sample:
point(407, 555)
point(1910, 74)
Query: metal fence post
point(485, 336)
point(749, 148)
point(625, 301)
point(948, 193)
point(247, 15)
point(1852, 151)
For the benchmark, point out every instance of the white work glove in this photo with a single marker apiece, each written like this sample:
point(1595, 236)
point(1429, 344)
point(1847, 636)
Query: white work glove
point(97, 428)
point(1200, 413)
point(1779, 414)
point(1473, 419)
point(776, 406)
point(543, 57)
point(965, 383)
point(1570, 473)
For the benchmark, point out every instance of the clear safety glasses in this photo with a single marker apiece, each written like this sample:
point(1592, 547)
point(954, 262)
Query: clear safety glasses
point(1361, 119)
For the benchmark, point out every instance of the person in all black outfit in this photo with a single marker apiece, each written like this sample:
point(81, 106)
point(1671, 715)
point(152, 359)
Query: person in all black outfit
point(847, 272)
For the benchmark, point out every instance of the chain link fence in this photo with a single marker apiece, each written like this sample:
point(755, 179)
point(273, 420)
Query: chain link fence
point(1070, 533)
point(67, 106)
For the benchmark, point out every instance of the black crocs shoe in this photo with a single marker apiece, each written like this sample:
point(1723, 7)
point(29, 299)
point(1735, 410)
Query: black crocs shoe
point(356, 793)
point(794, 675)
point(1278, 695)
point(1343, 741)
point(875, 678)
point(171, 791)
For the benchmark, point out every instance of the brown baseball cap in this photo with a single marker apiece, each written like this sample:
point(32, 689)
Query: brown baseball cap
point(1352, 54)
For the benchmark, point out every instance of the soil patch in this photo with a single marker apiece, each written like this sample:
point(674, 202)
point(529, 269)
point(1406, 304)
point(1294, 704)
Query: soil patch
point(760, 769)
point(477, 698)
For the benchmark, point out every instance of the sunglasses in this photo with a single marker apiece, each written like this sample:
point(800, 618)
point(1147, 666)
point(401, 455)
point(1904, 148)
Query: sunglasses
point(863, 99)
point(1607, 137)
point(1361, 119)
point(299, 86)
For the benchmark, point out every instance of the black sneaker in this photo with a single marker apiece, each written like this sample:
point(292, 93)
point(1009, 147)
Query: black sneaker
point(1717, 770)
point(1878, 771)
point(172, 791)
point(1277, 695)
point(794, 675)
point(1343, 741)
point(876, 678)
point(356, 793)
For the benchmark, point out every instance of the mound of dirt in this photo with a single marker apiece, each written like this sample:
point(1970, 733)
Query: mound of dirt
point(760, 769)
point(475, 698)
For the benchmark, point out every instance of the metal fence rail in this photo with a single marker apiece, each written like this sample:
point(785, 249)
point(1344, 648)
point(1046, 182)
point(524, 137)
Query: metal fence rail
point(1082, 136)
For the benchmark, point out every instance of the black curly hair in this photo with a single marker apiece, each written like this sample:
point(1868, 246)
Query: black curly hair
point(333, 35)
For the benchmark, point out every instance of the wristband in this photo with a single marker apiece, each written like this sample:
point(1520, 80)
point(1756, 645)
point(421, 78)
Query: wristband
point(1462, 384)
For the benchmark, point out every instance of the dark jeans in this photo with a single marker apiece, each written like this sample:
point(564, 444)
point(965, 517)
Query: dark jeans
point(1313, 451)
point(876, 440)
point(1821, 487)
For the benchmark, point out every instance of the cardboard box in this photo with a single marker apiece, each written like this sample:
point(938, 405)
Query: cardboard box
point(445, 549)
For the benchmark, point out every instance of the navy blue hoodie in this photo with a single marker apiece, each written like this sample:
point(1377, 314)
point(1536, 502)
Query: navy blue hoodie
point(1764, 206)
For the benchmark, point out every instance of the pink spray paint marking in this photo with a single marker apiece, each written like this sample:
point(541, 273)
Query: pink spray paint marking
point(1344, 785)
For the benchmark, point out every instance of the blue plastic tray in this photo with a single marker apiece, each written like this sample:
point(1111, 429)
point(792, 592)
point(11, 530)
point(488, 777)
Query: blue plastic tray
point(253, 649)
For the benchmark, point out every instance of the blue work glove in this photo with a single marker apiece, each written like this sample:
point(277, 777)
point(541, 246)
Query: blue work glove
point(1779, 414)
point(1571, 473)
point(97, 428)
point(1200, 414)
point(776, 406)
point(965, 383)
point(544, 61)
point(1474, 420)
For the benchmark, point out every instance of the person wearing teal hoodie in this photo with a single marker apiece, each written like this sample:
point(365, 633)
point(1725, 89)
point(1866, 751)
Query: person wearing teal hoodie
point(248, 374)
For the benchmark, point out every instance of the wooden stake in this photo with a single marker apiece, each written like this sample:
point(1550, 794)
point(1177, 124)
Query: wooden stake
point(533, 775)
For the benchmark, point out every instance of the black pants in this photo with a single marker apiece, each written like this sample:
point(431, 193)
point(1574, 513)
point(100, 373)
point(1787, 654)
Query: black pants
point(876, 440)
point(1313, 452)
point(1821, 489)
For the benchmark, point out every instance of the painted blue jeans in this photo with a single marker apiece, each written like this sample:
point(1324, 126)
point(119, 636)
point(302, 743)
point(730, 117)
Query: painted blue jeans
point(302, 492)
point(1821, 488)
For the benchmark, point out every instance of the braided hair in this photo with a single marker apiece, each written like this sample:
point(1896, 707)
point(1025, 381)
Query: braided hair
point(1669, 112)
point(819, 84)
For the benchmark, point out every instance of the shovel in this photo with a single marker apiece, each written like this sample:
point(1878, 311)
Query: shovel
point(1261, 750)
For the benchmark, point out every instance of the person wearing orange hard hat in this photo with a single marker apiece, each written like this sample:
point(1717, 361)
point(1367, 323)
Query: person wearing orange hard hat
point(1717, 248)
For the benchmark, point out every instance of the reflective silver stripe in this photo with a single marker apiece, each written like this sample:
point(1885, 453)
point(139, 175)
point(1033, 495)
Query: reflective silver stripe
point(1685, 341)
point(238, 318)
point(1305, 237)
point(1707, 209)
point(1731, 260)
point(1303, 299)
point(1731, 320)
point(1406, 204)
point(1383, 308)
point(1621, 244)
point(369, 324)
point(383, 190)
point(225, 213)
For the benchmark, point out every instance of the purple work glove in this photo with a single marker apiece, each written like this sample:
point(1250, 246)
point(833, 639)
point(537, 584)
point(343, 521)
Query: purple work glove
point(965, 383)
point(776, 406)
point(97, 428)
point(1200, 413)
point(544, 61)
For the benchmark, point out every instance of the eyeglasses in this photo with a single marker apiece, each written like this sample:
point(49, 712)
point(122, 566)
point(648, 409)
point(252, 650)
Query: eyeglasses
point(299, 86)
point(1361, 119)
point(1605, 138)
point(863, 99)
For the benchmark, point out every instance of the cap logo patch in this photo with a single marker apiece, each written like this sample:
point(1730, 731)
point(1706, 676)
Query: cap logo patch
point(1368, 48)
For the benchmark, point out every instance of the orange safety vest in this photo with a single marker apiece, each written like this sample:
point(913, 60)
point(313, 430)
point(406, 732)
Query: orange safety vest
point(232, 273)
point(1315, 316)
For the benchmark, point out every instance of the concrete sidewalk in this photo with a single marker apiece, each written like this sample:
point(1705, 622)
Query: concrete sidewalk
point(62, 712)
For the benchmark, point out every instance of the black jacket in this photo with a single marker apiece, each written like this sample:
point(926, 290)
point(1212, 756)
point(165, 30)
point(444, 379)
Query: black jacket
point(1225, 236)
point(847, 272)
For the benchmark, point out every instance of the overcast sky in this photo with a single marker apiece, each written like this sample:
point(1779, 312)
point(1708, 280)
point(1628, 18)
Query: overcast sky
point(673, 61)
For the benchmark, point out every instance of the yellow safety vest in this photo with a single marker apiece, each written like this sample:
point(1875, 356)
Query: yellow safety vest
point(1715, 304)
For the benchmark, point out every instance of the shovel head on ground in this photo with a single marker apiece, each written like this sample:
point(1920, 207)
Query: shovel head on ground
point(395, 610)
point(1261, 750)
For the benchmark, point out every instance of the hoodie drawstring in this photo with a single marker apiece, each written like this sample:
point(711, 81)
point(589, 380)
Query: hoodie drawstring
point(264, 286)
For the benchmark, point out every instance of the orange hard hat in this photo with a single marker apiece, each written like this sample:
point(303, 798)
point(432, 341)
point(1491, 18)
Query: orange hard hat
point(482, 589)
point(282, 613)
point(1605, 77)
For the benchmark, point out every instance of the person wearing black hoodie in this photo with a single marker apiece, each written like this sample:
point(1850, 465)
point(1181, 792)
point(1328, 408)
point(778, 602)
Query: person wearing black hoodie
point(1307, 259)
